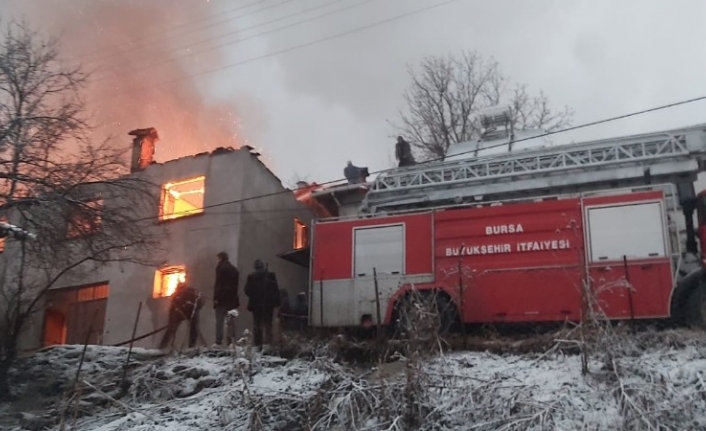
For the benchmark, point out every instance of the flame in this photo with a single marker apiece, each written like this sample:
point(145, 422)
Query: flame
point(174, 203)
point(166, 280)
point(172, 281)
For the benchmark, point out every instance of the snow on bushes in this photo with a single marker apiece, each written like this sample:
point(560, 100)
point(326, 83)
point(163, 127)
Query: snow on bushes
point(652, 380)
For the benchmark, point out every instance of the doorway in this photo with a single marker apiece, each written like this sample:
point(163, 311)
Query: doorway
point(74, 315)
point(54, 327)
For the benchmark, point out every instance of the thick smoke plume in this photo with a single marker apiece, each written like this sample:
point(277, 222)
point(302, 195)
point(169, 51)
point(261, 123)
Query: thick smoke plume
point(142, 73)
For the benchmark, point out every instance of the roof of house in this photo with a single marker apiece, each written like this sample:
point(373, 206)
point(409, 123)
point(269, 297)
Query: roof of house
point(220, 151)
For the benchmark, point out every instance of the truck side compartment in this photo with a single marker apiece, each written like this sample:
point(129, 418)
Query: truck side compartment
point(629, 256)
point(519, 262)
point(346, 254)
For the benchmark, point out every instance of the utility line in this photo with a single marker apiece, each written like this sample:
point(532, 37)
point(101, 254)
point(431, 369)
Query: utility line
point(594, 123)
point(159, 36)
point(382, 171)
point(165, 40)
point(281, 51)
point(238, 41)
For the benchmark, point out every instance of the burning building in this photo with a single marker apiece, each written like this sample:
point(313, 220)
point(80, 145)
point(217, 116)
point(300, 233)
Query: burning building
point(206, 205)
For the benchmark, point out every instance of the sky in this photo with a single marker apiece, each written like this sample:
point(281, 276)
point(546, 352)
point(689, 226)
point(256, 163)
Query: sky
point(314, 83)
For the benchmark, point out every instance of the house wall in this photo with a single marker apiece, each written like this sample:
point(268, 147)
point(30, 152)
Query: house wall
point(192, 241)
point(267, 230)
point(258, 228)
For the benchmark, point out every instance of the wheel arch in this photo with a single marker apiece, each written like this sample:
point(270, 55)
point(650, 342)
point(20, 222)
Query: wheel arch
point(404, 291)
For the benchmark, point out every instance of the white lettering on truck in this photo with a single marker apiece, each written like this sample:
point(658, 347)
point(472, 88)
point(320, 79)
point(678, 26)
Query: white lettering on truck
point(503, 228)
point(556, 244)
point(474, 250)
point(478, 249)
point(562, 244)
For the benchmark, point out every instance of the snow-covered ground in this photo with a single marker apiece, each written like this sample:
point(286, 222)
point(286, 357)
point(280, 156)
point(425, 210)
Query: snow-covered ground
point(657, 379)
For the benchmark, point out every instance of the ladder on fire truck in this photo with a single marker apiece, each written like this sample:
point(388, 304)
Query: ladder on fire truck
point(673, 156)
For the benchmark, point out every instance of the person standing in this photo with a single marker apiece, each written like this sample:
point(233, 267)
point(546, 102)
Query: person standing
point(263, 297)
point(186, 305)
point(285, 309)
point(403, 153)
point(301, 311)
point(225, 298)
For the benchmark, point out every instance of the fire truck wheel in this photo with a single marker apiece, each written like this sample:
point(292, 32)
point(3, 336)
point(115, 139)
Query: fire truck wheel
point(696, 307)
point(449, 319)
point(408, 316)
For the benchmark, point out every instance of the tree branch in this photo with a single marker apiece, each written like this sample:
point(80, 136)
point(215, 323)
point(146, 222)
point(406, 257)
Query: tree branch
point(446, 92)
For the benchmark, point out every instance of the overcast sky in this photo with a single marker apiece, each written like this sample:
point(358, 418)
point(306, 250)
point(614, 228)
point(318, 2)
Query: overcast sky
point(312, 108)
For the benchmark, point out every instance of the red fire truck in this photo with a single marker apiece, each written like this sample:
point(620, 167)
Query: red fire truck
point(517, 235)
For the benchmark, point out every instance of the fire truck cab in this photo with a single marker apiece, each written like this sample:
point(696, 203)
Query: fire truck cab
point(523, 236)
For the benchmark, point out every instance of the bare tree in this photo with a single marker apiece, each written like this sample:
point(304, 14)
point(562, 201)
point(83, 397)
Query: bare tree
point(72, 194)
point(446, 92)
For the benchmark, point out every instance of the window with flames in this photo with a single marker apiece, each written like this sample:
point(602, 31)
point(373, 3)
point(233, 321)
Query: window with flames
point(182, 198)
point(85, 219)
point(167, 279)
point(93, 293)
point(301, 234)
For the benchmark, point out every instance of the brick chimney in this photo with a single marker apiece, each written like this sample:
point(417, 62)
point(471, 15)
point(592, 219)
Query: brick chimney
point(143, 148)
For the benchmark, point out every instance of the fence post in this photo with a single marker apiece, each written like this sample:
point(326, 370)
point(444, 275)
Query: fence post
point(123, 384)
point(76, 386)
point(377, 305)
point(321, 302)
point(627, 280)
point(462, 291)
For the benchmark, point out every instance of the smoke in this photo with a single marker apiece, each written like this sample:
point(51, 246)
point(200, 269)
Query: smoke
point(138, 53)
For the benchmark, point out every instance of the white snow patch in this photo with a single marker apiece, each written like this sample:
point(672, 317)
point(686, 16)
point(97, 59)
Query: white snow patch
point(459, 391)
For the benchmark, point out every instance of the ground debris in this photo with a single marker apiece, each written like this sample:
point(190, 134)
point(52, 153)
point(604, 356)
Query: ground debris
point(653, 380)
point(34, 422)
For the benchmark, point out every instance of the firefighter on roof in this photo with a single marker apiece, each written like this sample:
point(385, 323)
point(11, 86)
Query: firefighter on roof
point(263, 297)
point(185, 306)
point(355, 174)
point(403, 153)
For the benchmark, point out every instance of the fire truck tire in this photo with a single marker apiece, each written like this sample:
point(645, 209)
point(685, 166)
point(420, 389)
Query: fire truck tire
point(695, 307)
point(449, 318)
point(446, 313)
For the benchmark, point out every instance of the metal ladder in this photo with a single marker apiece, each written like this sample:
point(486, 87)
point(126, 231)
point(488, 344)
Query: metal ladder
point(668, 156)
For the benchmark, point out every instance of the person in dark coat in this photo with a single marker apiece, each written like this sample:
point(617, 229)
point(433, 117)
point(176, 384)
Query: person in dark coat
point(225, 297)
point(301, 311)
point(403, 153)
point(285, 309)
point(263, 297)
point(355, 174)
point(185, 306)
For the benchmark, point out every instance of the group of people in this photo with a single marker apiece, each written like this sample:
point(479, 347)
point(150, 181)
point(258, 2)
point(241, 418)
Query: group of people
point(264, 295)
point(403, 154)
point(261, 288)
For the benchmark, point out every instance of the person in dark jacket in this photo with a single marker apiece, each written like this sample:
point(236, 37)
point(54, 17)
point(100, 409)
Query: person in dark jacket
point(185, 306)
point(403, 153)
point(301, 311)
point(263, 297)
point(355, 174)
point(352, 173)
point(225, 297)
point(285, 310)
